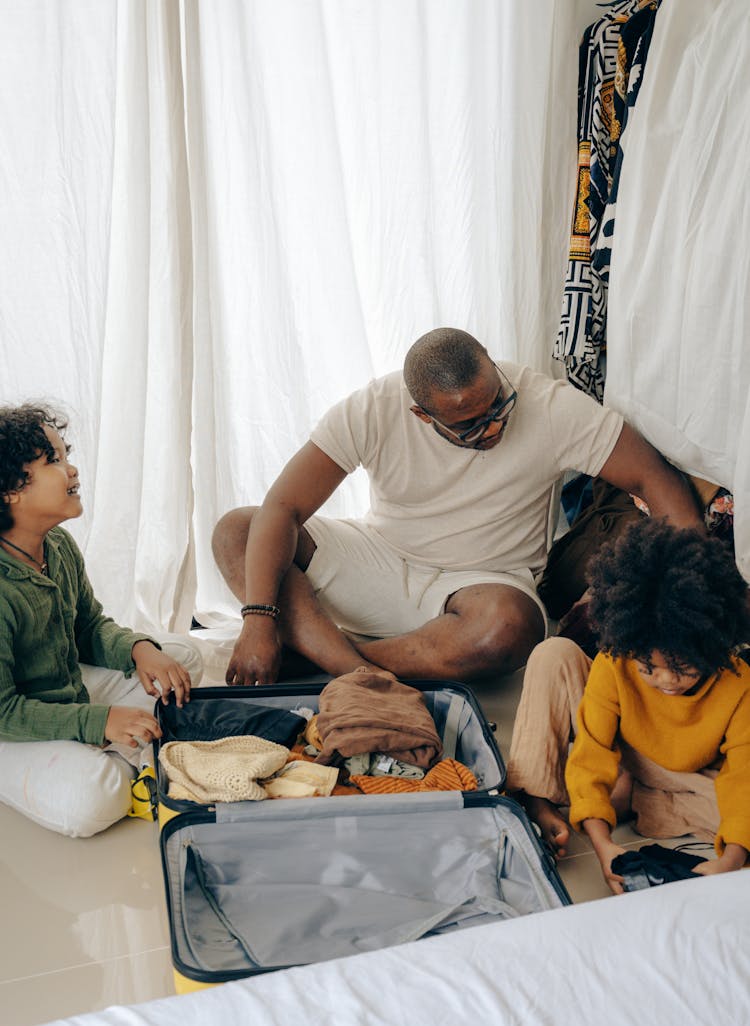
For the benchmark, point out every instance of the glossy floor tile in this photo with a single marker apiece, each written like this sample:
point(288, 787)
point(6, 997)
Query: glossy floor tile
point(86, 988)
point(85, 922)
point(88, 917)
point(82, 901)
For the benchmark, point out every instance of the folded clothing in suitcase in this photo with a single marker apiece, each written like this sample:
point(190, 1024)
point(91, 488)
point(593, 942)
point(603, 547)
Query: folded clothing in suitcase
point(214, 713)
point(257, 886)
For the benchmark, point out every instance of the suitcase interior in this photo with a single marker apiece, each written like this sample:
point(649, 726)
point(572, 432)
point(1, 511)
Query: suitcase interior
point(254, 887)
point(257, 886)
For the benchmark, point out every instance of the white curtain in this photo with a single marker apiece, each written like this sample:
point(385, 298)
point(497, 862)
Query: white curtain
point(95, 264)
point(678, 362)
point(220, 218)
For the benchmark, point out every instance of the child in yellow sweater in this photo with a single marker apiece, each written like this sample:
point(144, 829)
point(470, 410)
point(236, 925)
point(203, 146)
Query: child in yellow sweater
point(663, 725)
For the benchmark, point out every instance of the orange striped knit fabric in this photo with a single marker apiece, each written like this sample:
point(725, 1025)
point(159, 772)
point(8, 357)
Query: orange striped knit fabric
point(448, 775)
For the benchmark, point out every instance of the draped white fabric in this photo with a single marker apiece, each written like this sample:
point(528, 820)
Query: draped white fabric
point(678, 362)
point(371, 171)
point(219, 219)
point(95, 266)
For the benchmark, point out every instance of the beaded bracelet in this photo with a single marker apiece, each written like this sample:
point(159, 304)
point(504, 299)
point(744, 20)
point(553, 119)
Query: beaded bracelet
point(261, 608)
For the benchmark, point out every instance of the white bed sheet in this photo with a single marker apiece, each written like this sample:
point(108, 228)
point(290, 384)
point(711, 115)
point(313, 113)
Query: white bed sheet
point(675, 955)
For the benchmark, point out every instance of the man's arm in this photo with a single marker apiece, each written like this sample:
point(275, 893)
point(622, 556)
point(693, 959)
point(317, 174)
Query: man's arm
point(635, 466)
point(303, 486)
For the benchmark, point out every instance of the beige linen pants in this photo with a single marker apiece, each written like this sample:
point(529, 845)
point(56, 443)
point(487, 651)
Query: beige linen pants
point(666, 804)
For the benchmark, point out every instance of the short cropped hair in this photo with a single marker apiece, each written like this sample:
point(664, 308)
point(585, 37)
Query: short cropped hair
point(675, 591)
point(22, 440)
point(443, 360)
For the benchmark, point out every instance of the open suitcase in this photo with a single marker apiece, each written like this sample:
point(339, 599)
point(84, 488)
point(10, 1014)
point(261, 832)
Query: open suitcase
point(257, 886)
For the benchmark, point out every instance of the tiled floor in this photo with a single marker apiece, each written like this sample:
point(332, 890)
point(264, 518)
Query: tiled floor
point(84, 921)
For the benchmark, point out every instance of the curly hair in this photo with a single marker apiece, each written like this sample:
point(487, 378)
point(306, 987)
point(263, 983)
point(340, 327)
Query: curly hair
point(670, 590)
point(22, 440)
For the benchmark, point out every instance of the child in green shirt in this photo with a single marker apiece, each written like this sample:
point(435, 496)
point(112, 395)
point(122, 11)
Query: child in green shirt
point(73, 714)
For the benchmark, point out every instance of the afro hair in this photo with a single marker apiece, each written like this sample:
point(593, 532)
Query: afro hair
point(670, 590)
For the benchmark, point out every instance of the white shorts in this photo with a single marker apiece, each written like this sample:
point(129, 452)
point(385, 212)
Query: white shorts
point(368, 588)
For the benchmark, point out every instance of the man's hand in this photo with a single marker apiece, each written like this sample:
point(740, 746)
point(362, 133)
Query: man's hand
point(155, 667)
point(733, 857)
point(257, 653)
point(126, 726)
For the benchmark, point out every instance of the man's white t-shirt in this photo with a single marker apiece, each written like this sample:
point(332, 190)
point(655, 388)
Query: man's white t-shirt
point(443, 506)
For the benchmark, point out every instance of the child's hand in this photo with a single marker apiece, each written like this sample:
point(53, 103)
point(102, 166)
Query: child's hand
point(734, 857)
point(605, 856)
point(154, 667)
point(600, 835)
point(126, 726)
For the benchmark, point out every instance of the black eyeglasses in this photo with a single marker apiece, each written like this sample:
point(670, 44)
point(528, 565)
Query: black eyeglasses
point(500, 410)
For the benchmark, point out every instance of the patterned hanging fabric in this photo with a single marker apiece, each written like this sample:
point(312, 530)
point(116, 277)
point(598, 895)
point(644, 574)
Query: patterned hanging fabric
point(635, 39)
point(610, 72)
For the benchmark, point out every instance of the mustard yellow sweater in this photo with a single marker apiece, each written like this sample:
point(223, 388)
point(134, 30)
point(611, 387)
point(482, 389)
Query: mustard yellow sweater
point(684, 733)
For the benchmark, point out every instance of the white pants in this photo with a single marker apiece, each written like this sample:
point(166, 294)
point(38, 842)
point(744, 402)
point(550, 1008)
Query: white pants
point(78, 789)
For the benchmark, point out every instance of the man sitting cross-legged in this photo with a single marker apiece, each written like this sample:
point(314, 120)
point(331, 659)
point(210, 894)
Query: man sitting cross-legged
point(463, 453)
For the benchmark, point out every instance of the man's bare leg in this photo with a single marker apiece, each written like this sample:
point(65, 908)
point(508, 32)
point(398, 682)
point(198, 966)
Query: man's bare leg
point(307, 629)
point(303, 625)
point(486, 629)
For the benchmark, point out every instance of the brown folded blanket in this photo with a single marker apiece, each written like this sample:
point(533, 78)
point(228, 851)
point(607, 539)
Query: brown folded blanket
point(369, 712)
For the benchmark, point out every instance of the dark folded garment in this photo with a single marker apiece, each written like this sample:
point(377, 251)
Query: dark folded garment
point(653, 865)
point(211, 721)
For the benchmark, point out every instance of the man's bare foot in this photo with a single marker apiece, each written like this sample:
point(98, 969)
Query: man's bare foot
point(364, 665)
point(555, 830)
point(372, 668)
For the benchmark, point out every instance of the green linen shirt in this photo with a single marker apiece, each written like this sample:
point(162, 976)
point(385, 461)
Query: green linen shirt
point(48, 625)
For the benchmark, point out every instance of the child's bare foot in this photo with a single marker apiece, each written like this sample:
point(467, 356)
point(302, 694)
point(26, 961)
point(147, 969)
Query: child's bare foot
point(555, 830)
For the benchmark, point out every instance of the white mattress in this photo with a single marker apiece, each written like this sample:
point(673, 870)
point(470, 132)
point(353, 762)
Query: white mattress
point(674, 955)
